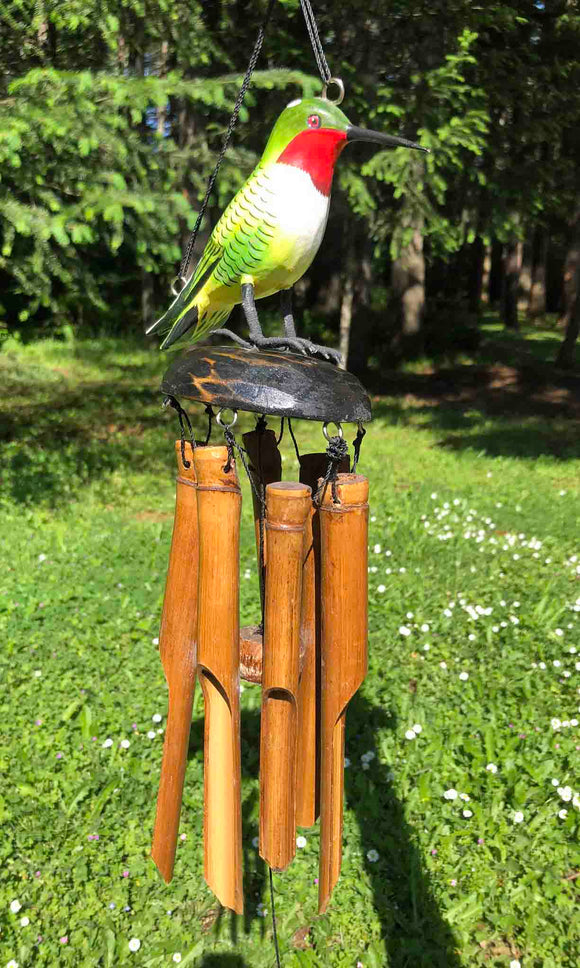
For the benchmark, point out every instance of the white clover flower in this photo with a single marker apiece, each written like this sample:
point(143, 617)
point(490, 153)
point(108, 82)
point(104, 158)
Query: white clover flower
point(410, 734)
point(573, 722)
point(417, 728)
point(464, 796)
point(24, 922)
point(154, 641)
point(365, 766)
point(464, 676)
point(467, 814)
point(565, 793)
point(381, 589)
point(108, 742)
point(558, 632)
point(447, 613)
point(451, 794)
point(177, 957)
point(301, 841)
point(377, 549)
point(134, 944)
point(403, 630)
point(542, 665)
point(124, 744)
point(256, 842)
point(151, 734)
point(38, 673)
point(373, 855)
point(12, 964)
point(156, 717)
point(42, 557)
point(434, 496)
point(562, 814)
point(443, 665)
point(425, 627)
point(555, 783)
point(556, 663)
point(491, 768)
point(555, 723)
point(515, 963)
point(518, 816)
point(261, 911)
point(346, 762)
point(15, 906)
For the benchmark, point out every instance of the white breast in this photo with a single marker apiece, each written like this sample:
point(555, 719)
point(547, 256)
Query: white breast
point(300, 210)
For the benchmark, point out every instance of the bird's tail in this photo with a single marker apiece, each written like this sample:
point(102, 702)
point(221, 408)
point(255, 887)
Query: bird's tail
point(183, 312)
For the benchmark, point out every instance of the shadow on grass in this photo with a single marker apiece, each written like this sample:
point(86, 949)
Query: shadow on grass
point(412, 927)
point(223, 961)
point(532, 412)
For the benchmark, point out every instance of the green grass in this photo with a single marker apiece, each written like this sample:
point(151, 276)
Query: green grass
point(475, 506)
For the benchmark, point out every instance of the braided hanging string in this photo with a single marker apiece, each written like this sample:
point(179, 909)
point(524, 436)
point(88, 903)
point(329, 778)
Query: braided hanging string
point(356, 445)
point(233, 121)
point(336, 452)
point(312, 28)
point(210, 417)
point(181, 413)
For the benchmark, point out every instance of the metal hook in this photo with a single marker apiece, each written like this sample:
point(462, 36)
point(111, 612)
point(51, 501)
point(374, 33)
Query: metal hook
point(325, 429)
point(338, 82)
point(222, 423)
point(175, 291)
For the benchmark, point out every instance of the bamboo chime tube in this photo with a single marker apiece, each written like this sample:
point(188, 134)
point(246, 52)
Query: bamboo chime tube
point(219, 504)
point(265, 468)
point(177, 638)
point(287, 508)
point(343, 557)
point(312, 467)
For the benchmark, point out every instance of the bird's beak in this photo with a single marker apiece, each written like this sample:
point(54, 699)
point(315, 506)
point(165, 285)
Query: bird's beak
point(378, 138)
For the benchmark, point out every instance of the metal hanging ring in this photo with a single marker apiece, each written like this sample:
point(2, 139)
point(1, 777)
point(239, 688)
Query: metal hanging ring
point(183, 282)
point(338, 427)
point(338, 83)
point(222, 423)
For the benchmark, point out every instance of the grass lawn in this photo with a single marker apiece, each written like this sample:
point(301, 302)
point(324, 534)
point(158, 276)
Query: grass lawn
point(462, 788)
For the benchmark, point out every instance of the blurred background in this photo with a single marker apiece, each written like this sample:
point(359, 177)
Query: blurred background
point(112, 116)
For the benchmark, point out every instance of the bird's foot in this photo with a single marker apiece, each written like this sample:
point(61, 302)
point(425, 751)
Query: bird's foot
point(297, 344)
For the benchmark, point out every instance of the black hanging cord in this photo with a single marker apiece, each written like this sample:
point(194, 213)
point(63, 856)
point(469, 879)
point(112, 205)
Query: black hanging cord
point(357, 442)
point(312, 28)
point(291, 429)
point(210, 417)
point(274, 929)
point(233, 121)
point(181, 413)
point(278, 440)
point(336, 452)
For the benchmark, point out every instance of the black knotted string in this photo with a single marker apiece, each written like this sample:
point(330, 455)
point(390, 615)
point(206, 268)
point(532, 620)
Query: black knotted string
point(356, 444)
point(210, 417)
point(181, 413)
point(336, 452)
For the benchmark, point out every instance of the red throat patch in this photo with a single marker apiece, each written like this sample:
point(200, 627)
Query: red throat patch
point(315, 152)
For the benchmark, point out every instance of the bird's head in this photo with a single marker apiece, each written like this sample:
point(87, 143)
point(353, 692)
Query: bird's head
point(310, 134)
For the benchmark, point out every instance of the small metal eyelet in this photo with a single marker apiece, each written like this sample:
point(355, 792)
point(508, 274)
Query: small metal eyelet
point(338, 427)
point(338, 83)
point(175, 291)
point(222, 423)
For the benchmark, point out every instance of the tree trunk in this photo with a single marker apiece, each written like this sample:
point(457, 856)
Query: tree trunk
point(537, 303)
point(512, 266)
point(476, 274)
point(486, 275)
point(525, 280)
point(496, 271)
point(146, 299)
point(408, 281)
point(571, 316)
point(347, 300)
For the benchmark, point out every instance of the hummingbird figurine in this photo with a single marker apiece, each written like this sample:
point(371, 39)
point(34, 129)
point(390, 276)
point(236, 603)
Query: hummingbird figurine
point(270, 232)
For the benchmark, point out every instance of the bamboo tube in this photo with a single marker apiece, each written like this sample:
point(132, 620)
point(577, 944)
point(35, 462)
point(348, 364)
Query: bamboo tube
point(287, 508)
point(265, 468)
point(312, 467)
point(343, 557)
point(177, 651)
point(218, 505)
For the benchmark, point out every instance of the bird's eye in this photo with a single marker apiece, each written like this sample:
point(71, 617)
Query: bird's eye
point(313, 121)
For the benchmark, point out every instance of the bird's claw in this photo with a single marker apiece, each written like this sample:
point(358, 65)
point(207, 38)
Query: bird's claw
point(298, 345)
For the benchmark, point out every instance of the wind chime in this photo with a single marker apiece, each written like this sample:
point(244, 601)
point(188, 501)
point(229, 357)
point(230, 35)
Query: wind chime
point(310, 651)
